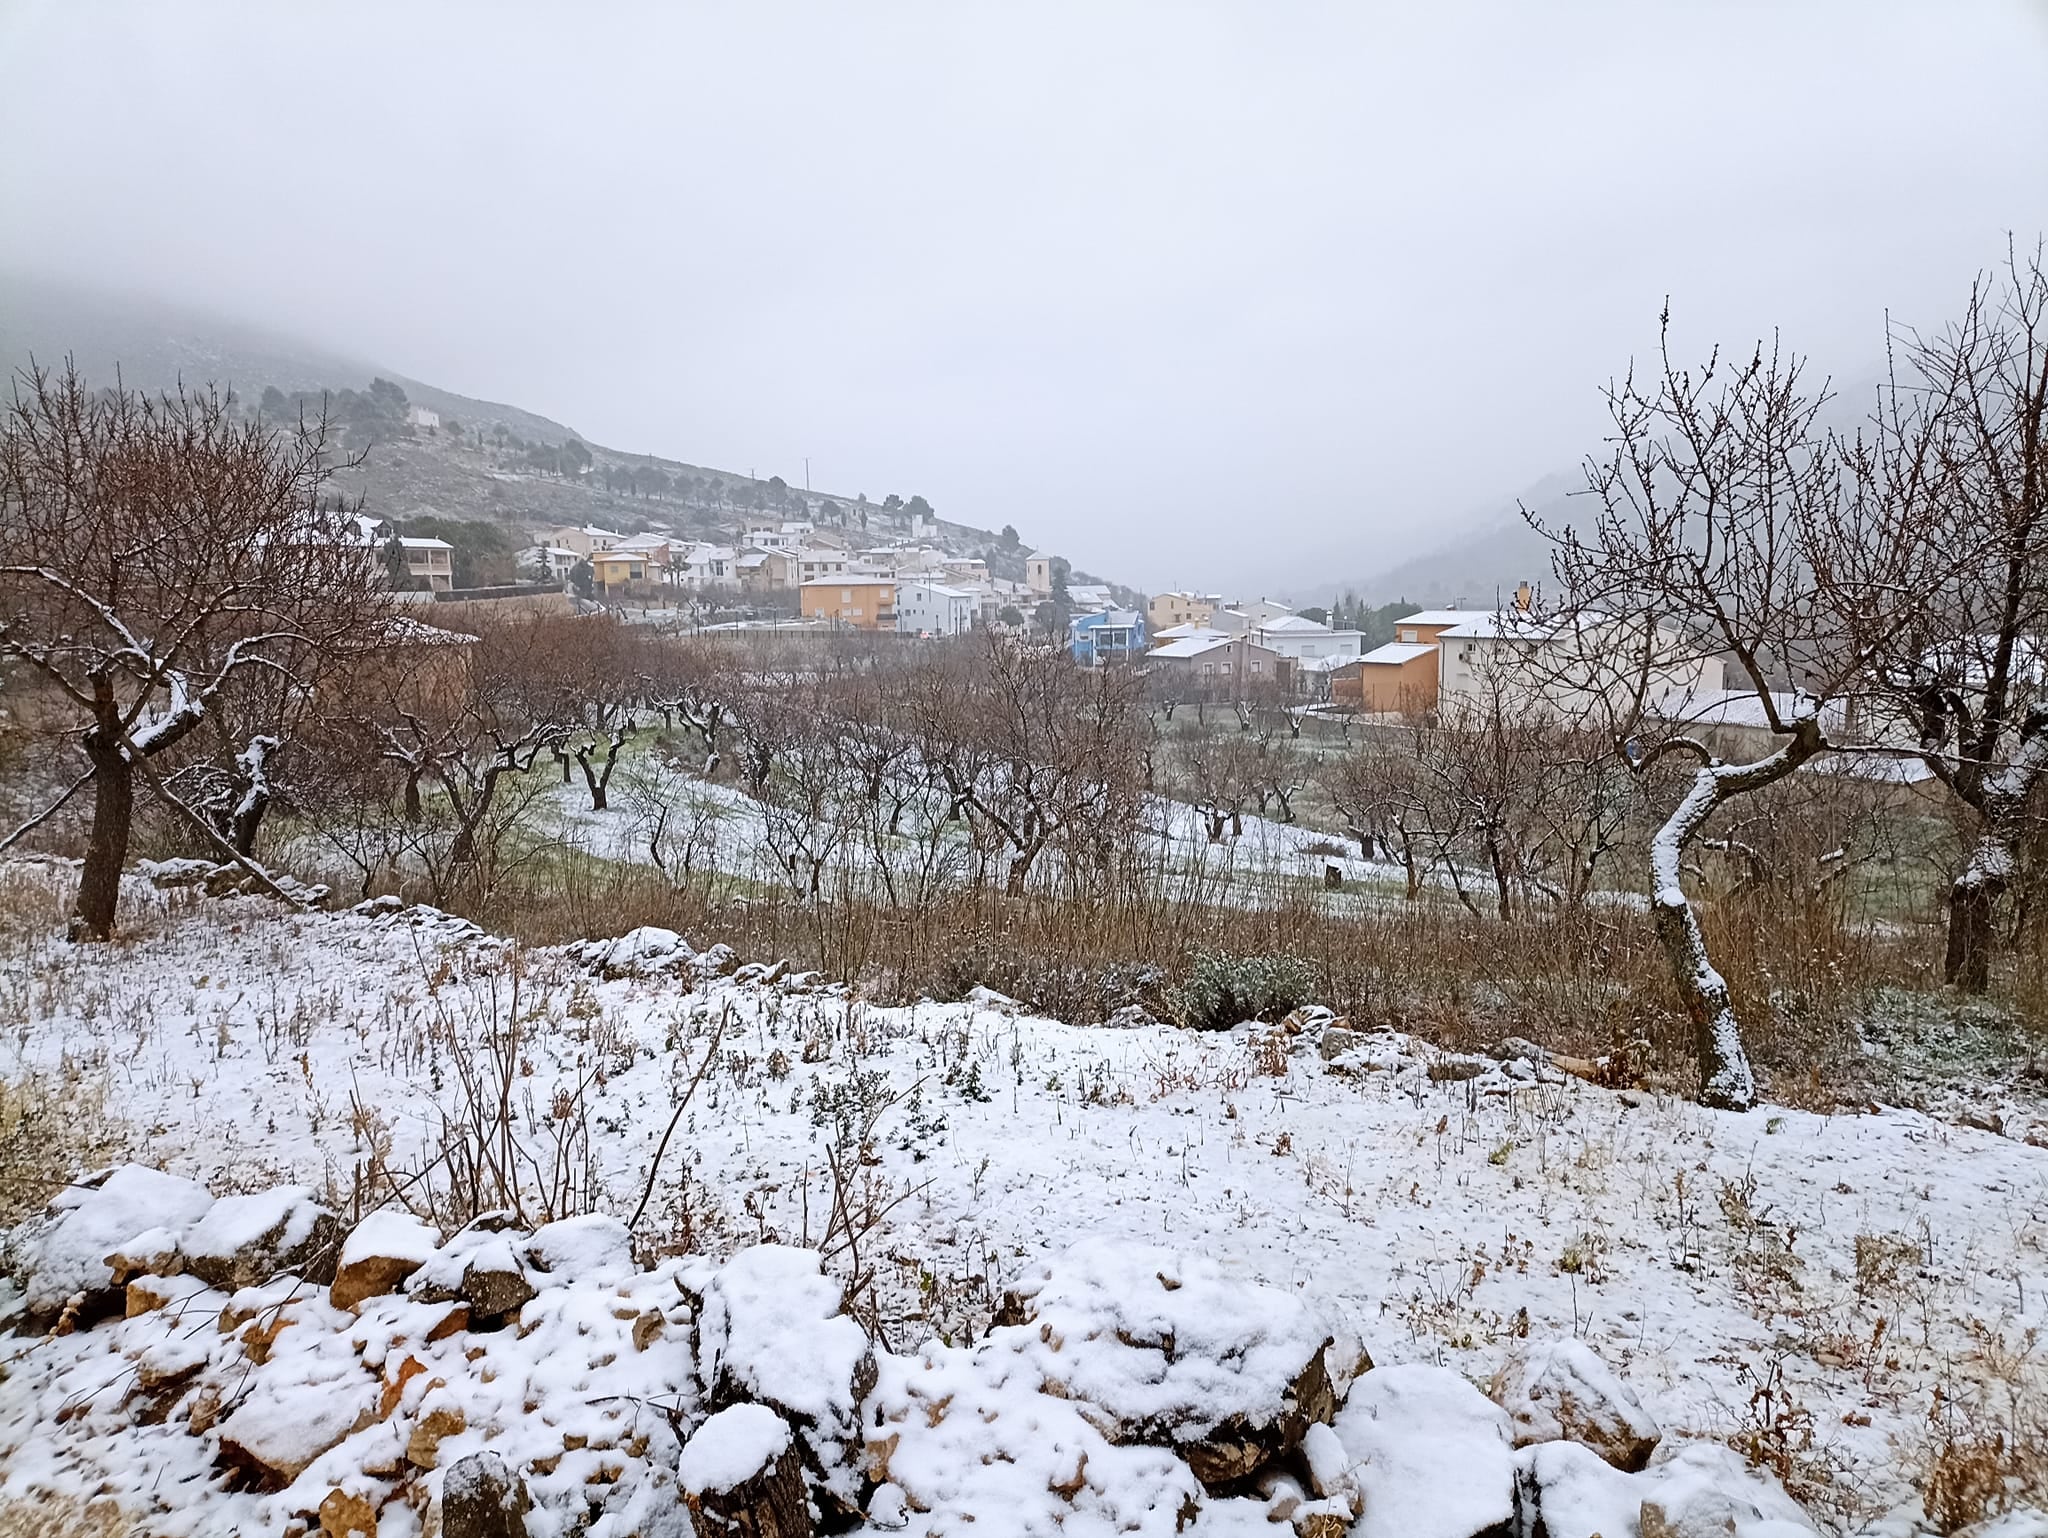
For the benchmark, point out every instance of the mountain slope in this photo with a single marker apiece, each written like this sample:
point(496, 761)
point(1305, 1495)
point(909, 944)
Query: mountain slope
point(497, 464)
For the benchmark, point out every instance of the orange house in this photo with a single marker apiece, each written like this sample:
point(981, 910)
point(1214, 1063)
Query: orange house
point(1399, 678)
point(860, 603)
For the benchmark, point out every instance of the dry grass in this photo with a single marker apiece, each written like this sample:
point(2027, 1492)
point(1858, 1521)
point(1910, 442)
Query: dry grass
point(65, 1516)
point(1585, 982)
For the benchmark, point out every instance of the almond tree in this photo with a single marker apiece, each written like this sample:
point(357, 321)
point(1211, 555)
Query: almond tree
point(1969, 678)
point(156, 554)
point(1726, 515)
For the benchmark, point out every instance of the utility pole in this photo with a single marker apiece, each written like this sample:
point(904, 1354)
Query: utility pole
point(807, 474)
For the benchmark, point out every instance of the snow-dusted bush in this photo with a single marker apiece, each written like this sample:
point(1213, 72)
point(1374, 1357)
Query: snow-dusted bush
point(1223, 990)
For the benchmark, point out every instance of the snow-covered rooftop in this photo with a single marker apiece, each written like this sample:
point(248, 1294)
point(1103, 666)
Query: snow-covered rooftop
point(1440, 616)
point(1394, 653)
point(1192, 646)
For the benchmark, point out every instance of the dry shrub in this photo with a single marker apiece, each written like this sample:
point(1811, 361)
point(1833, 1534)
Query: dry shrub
point(64, 1516)
point(1583, 981)
point(1978, 1461)
point(53, 1128)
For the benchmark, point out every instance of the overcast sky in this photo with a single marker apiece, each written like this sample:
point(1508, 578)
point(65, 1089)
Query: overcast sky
point(1230, 295)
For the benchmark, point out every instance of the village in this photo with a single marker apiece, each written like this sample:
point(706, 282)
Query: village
point(1394, 885)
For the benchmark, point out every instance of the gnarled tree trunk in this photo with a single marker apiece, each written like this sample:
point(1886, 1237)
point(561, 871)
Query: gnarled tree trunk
point(1727, 1082)
point(106, 850)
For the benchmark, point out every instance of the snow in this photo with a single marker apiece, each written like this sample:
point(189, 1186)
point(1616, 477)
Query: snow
point(590, 1247)
point(732, 1447)
point(235, 1041)
point(1430, 1453)
point(1151, 1335)
point(68, 1254)
point(1581, 1496)
point(389, 1234)
point(277, 1219)
point(771, 1326)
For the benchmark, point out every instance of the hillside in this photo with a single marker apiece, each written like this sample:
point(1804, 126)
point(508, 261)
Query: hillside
point(487, 461)
point(1490, 551)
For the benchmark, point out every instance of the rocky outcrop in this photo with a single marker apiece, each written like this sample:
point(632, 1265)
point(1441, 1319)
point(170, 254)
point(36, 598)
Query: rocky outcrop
point(1163, 1348)
point(482, 1498)
point(771, 1332)
point(456, 1386)
point(1558, 1391)
point(244, 1240)
point(379, 1254)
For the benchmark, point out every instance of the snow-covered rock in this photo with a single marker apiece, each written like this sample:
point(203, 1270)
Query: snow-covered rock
point(1705, 1490)
point(166, 874)
point(733, 1446)
point(770, 1331)
point(284, 1422)
point(1431, 1456)
point(1557, 1391)
point(1161, 1347)
point(644, 952)
point(960, 1435)
point(591, 1248)
point(244, 1240)
point(495, 1282)
point(379, 1254)
point(1574, 1493)
point(63, 1256)
point(740, 1475)
point(482, 1498)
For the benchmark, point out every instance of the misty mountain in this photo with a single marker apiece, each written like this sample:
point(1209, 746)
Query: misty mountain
point(1491, 550)
point(477, 472)
point(1487, 553)
point(157, 345)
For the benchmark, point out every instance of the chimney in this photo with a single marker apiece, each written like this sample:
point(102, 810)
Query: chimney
point(1525, 597)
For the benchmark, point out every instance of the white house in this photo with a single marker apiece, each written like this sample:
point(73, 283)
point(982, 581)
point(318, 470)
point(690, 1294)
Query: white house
point(420, 416)
point(430, 560)
point(585, 539)
point(702, 565)
point(655, 549)
point(551, 560)
point(1306, 640)
point(814, 561)
point(1243, 618)
point(1089, 596)
point(1571, 665)
point(935, 609)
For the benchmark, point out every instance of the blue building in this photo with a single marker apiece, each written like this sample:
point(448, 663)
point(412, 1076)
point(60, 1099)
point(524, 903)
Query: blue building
point(1110, 636)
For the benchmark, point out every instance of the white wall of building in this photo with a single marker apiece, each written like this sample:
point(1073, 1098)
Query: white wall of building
point(931, 608)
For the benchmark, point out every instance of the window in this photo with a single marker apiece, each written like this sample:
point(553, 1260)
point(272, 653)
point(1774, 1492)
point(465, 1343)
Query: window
point(1258, 665)
point(1408, 636)
point(846, 595)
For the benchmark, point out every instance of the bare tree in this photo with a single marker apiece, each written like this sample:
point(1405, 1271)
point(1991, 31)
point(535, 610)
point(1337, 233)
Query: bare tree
point(1971, 404)
point(155, 555)
point(1728, 518)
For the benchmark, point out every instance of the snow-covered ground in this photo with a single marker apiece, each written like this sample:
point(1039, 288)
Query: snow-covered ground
point(1735, 1267)
point(1259, 860)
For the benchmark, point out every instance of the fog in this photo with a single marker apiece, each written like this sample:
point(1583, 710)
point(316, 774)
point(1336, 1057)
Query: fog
point(1238, 296)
